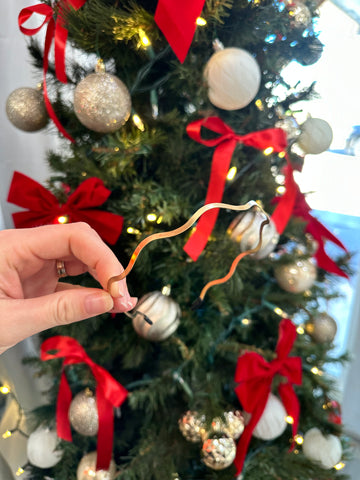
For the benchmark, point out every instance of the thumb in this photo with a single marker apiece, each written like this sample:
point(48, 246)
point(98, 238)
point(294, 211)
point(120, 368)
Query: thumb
point(26, 317)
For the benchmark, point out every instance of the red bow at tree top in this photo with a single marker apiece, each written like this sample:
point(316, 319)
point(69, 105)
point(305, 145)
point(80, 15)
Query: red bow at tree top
point(255, 375)
point(293, 203)
point(44, 208)
point(177, 21)
point(225, 145)
point(55, 31)
point(109, 394)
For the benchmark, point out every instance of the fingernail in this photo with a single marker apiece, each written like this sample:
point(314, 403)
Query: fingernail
point(97, 303)
point(119, 289)
point(132, 302)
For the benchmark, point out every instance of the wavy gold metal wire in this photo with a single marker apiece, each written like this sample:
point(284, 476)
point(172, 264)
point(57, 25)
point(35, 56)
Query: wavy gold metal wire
point(183, 228)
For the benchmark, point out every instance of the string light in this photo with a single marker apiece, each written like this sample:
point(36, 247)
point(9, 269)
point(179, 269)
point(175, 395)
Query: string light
point(289, 419)
point(159, 219)
point(339, 466)
point(19, 471)
point(144, 39)
point(151, 217)
point(280, 189)
point(281, 154)
point(231, 173)
point(300, 330)
point(280, 312)
point(201, 22)
point(62, 219)
point(166, 290)
point(138, 122)
point(7, 434)
point(246, 321)
point(4, 389)
point(299, 439)
point(268, 150)
point(259, 104)
point(316, 371)
point(133, 231)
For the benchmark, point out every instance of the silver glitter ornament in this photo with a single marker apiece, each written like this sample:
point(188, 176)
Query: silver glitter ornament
point(102, 102)
point(232, 425)
point(25, 108)
point(192, 426)
point(87, 469)
point(322, 328)
point(163, 312)
point(218, 451)
point(83, 413)
point(245, 229)
point(296, 277)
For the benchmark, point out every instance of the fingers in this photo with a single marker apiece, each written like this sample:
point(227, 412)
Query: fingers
point(68, 305)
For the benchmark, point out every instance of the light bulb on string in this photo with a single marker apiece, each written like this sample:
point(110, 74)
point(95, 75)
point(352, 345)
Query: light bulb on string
point(7, 434)
point(19, 471)
point(144, 39)
point(138, 122)
point(4, 389)
point(231, 173)
point(151, 217)
point(201, 22)
point(268, 151)
point(339, 466)
point(62, 219)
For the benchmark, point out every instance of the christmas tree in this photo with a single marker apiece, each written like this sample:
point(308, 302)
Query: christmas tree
point(165, 107)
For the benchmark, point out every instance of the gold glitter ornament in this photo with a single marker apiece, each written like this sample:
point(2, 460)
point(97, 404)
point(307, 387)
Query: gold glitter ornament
point(233, 425)
point(25, 108)
point(102, 102)
point(163, 312)
point(87, 469)
point(322, 328)
point(296, 277)
point(218, 451)
point(192, 426)
point(83, 413)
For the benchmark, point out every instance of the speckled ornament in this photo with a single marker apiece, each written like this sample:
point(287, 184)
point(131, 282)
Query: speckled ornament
point(163, 312)
point(233, 78)
point(322, 328)
point(245, 229)
point(296, 277)
point(272, 422)
point(315, 137)
point(42, 447)
point(83, 413)
point(232, 424)
point(192, 426)
point(87, 469)
point(218, 451)
point(300, 15)
point(25, 108)
point(102, 102)
point(325, 450)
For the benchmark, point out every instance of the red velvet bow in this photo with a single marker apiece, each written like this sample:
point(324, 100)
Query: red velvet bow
point(44, 208)
point(255, 375)
point(55, 31)
point(109, 394)
point(225, 144)
point(177, 21)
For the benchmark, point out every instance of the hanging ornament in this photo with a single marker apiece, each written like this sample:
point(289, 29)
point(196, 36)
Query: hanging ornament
point(322, 328)
point(245, 230)
point(218, 451)
point(102, 102)
point(192, 426)
point(325, 450)
point(233, 78)
point(87, 469)
point(162, 311)
point(25, 108)
point(233, 425)
point(83, 413)
point(299, 13)
point(315, 137)
point(296, 277)
point(309, 51)
point(42, 447)
point(272, 422)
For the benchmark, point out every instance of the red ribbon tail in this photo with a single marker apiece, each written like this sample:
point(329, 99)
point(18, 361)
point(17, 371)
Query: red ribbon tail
point(326, 263)
point(285, 206)
point(105, 432)
point(292, 407)
point(62, 409)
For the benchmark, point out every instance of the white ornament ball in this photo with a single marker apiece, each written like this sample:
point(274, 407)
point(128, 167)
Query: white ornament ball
point(245, 229)
point(233, 78)
point(83, 413)
point(87, 469)
point(102, 102)
point(326, 450)
point(315, 137)
point(296, 277)
point(322, 328)
point(272, 422)
point(25, 108)
point(163, 312)
point(42, 448)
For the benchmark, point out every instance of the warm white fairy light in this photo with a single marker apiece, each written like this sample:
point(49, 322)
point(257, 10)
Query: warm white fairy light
point(299, 439)
point(62, 219)
point(19, 471)
point(280, 189)
point(138, 122)
point(339, 465)
point(201, 22)
point(151, 217)
point(144, 39)
point(268, 151)
point(316, 371)
point(246, 321)
point(4, 389)
point(6, 434)
point(300, 330)
point(289, 419)
point(259, 104)
point(133, 231)
point(231, 173)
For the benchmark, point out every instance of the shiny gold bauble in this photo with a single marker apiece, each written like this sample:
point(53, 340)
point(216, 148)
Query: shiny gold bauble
point(232, 424)
point(25, 108)
point(322, 328)
point(218, 451)
point(102, 102)
point(163, 312)
point(192, 426)
point(296, 277)
point(87, 469)
point(245, 230)
point(83, 413)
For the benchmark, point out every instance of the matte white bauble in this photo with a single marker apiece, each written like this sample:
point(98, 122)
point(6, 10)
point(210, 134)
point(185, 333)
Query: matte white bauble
point(87, 469)
point(296, 277)
point(233, 78)
point(245, 229)
point(42, 448)
point(326, 450)
point(272, 422)
point(316, 136)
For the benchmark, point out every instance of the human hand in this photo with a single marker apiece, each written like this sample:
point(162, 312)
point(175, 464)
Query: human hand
point(31, 297)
